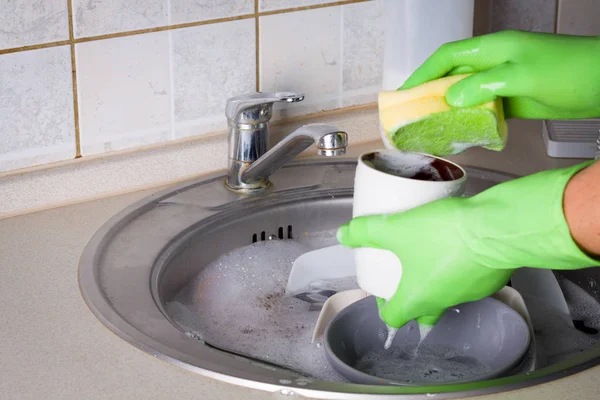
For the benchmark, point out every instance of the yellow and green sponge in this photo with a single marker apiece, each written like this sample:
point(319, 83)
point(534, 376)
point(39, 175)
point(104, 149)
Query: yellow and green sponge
point(420, 120)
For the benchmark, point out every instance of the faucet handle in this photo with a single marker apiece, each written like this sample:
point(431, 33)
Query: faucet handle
point(256, 108)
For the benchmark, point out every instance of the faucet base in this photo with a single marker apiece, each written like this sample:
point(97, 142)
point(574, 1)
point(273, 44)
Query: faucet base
point(248, 189)
point(234, 183)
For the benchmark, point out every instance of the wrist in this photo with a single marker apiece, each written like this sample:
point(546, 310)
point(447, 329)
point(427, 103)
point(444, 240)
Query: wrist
point(580, 201)
point(522, 223)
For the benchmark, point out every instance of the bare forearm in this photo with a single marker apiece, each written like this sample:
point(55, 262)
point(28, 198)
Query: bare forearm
point(581, 205)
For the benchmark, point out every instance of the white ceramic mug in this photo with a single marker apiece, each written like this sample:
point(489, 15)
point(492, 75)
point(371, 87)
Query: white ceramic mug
point(390, 181)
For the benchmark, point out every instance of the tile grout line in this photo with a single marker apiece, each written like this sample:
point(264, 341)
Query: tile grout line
point(34, 47)
point(171, 74)
point(257, 44)
point(163, 28)
point(74, 79)
point(312, 7)
point(202, 137)
point(341, 90)
point(173, 27)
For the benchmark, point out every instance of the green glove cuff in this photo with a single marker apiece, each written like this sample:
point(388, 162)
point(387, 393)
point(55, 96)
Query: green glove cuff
point(524, 220)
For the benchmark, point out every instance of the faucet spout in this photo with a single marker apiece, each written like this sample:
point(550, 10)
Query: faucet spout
point(329, 140)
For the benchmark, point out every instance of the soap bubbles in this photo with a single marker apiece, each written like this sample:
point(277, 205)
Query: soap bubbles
point(238, 303)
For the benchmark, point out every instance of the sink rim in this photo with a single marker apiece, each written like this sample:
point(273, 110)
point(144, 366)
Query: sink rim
point(104, 311)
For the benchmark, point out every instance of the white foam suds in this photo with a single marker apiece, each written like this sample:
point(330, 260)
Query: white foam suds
point(237, 302)
point(458, 147)
point(582, 305)
point(390, 337)
point(555, 336)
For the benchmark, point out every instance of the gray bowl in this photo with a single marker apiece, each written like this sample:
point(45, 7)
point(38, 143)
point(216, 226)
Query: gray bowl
point(472, 342)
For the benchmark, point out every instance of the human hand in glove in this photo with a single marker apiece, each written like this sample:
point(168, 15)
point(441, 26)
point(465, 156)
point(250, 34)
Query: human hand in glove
point(458, 250)
point(539, 75)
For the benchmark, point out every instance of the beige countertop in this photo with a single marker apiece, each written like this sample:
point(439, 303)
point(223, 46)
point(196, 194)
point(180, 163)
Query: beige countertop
point(52, 347)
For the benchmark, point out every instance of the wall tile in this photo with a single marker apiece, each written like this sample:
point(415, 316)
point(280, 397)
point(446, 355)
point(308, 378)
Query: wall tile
point(211, 63)
point(123, 87)
point(36, 108)
point(26, 22)
point(199, 10)
point(304, 57)
point(270, 5)
point(100, 17)
point(580, 17)
point(531, 15)
point(362, 52)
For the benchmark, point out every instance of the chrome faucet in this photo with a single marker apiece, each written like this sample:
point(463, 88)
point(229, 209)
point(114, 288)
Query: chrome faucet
point(250, 164)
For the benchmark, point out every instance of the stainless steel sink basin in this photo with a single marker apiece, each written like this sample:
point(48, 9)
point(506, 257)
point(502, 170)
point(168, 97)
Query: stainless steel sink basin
point(143, 256)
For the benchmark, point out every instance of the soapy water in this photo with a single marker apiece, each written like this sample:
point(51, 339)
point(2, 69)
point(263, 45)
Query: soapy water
point(420, 364)
point(238, 303)
point(582, 305)
point(556, 337)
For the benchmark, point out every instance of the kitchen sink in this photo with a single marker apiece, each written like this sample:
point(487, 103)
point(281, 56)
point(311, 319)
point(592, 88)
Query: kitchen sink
point(141, 258)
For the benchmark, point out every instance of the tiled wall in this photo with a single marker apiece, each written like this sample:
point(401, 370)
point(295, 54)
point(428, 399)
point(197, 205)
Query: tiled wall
point(573, 17)
point(578, 17)
point(530, 15)
point(86, 77)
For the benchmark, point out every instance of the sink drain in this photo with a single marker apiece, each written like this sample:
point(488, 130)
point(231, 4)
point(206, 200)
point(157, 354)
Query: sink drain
point(280, 235)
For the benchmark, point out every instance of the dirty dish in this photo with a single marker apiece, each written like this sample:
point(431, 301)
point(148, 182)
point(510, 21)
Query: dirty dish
point(472, 342)
point(322, 269)
point(334, 305)
point(514, 300)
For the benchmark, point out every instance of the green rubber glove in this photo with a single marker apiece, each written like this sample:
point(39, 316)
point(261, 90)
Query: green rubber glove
point(539, 75)
point(457, 250)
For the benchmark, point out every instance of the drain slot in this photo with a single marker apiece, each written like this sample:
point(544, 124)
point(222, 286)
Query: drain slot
point(280, 234)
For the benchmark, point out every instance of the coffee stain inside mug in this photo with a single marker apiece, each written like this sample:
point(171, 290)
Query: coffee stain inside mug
point(414, 166)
